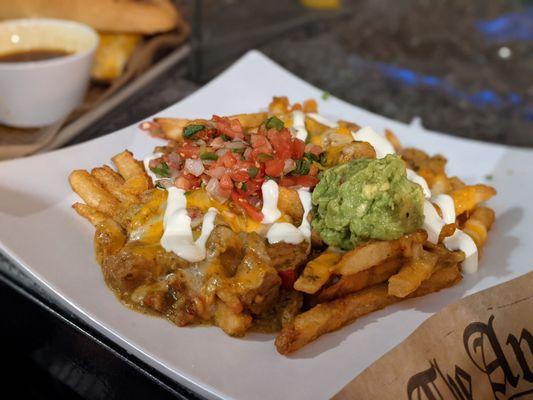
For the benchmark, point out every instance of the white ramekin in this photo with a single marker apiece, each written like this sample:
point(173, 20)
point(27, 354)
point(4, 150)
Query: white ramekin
point(38, 93)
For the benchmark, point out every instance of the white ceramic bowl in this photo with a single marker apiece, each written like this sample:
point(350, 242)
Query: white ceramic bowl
point(39, 93)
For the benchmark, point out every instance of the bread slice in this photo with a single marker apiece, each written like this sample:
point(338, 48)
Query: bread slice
point(134, 16)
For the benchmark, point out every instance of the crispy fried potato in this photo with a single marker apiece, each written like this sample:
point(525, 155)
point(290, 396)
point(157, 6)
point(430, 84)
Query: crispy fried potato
point(92, 215)
point(393, 139)
point(93, 193)
point(468, 197)
point(250, 120)
point(279, 105)
point(375, 252)
point(351, 283)
point(412, 274)
point(317, 272)
point(136, 185)
point(289, 203)
point(172, 128)
point(328, 317)
point(113, 183)
point(127, 165)
point(478, 225)
point(446, 231)
point(234, 324)
point(354, 151)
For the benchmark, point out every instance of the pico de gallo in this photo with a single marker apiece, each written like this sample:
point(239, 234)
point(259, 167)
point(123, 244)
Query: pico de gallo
point(232, 164)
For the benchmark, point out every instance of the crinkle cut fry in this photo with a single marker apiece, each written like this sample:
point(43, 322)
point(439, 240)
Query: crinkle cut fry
point(328, 317)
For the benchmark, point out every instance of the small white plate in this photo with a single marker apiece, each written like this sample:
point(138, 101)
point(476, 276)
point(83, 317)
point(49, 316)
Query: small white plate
point(40, 231)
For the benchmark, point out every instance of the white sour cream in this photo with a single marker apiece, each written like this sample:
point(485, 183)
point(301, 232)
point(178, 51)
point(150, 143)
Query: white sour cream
point(270, 210)
point(288, 233)
point(298, 125)
point(146, 163)
point(433, 223)
point(323, 120)
point(380, 144)
point(461, 241)
point(447, 207)
point(415, 178)
point(177, 234)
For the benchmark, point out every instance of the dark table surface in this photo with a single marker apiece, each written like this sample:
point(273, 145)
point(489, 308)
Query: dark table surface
point(463, 67)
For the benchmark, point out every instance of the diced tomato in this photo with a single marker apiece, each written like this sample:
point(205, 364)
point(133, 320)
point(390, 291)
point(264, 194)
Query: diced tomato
point(306, 180)
point(252, 187)
point(182, 183)
point(229, 127)
point(313, 170)
point(274, 167)
point(188, 151)
point(287, 181)
point(259, 141)
point(228, 160)
point(250, 210)
point(298, 147)
point(239, 172)
point(281, 142)
point(288, 277)
point(313, 149)
point(225, 182)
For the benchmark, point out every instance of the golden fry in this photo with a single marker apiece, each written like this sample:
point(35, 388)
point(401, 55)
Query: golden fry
point(289, 203)
point(172, 128)
point(412, 274)
point(94, 216)
point(317, 272)
point(113, 182)
point(393, 139)
point(328, 317)
point(375, 252)
point(250, 120)
point(478, 225)
point(351, 283)
point(468, 197)
point(93, 193)
point(127, 165)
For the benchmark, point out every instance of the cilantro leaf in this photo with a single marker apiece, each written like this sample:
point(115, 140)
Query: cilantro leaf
point(191, 130)
point(274, 122)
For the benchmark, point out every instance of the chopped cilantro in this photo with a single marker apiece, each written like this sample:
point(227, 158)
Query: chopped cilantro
point(325, 96)
point(274, 122)
point(226, 138)
point(264, 157)
point(253, 171)
point(489, 177)
point(311, 156)
point(208, 155)
point(162, 170)
point(191, 130)
point(244, 187)
point(159, 185)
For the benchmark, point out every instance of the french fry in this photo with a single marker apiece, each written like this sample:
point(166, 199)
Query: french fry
point(279, 105)
point(136, 185)
point(317, 272)
point(412, 274)
point(289, 203)
point(478, 225)
point(328, 317)
point(393, 139)
point(92, 215)
point(250, 120)
point(172, 128)
point(127, 165)
point(373, 253)
point(351, 283)
point(234, 324)
point(113, 182)
point(93, 193)
point(468, 197)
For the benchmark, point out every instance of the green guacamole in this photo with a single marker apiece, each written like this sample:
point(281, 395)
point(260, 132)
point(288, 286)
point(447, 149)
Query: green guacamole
point(366, 199)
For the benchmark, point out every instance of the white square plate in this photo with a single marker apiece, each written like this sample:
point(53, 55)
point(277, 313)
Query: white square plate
point(40, 231)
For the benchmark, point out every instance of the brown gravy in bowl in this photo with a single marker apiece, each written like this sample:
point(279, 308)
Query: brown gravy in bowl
point(33, 55)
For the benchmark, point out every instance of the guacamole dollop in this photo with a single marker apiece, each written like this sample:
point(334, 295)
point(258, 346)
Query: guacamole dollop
point(366, 199)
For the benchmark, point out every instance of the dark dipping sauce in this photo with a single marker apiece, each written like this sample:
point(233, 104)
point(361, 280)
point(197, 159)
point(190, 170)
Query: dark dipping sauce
point(33, 55)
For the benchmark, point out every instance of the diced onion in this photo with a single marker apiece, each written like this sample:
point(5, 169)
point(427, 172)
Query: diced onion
point(221, 152)
point(235, 145)
point(217, 172)
point(289, 166)
point(194, 167)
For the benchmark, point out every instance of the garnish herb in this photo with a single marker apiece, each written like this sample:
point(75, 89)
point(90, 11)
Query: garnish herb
point(162, 170)
point(274, 122)
point(253, 171)
point(208, 155)
point(191, 130)
point(264, 157)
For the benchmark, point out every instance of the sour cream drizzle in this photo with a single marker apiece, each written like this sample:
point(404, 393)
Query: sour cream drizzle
point(177, 234)
point(288, 233)
point(146, 163)
point(270, 210)
point(298, 125)
point(380, 144)
point(323, 120)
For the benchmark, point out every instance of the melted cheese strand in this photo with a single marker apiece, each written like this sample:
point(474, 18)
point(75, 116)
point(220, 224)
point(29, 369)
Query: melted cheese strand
point(177, 235)
point(380, 144)
point(270, 210)
point(322, 120)
point(298, 125)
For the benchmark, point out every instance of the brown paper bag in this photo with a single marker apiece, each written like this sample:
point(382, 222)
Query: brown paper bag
point(22, 142)
point(478, 348)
